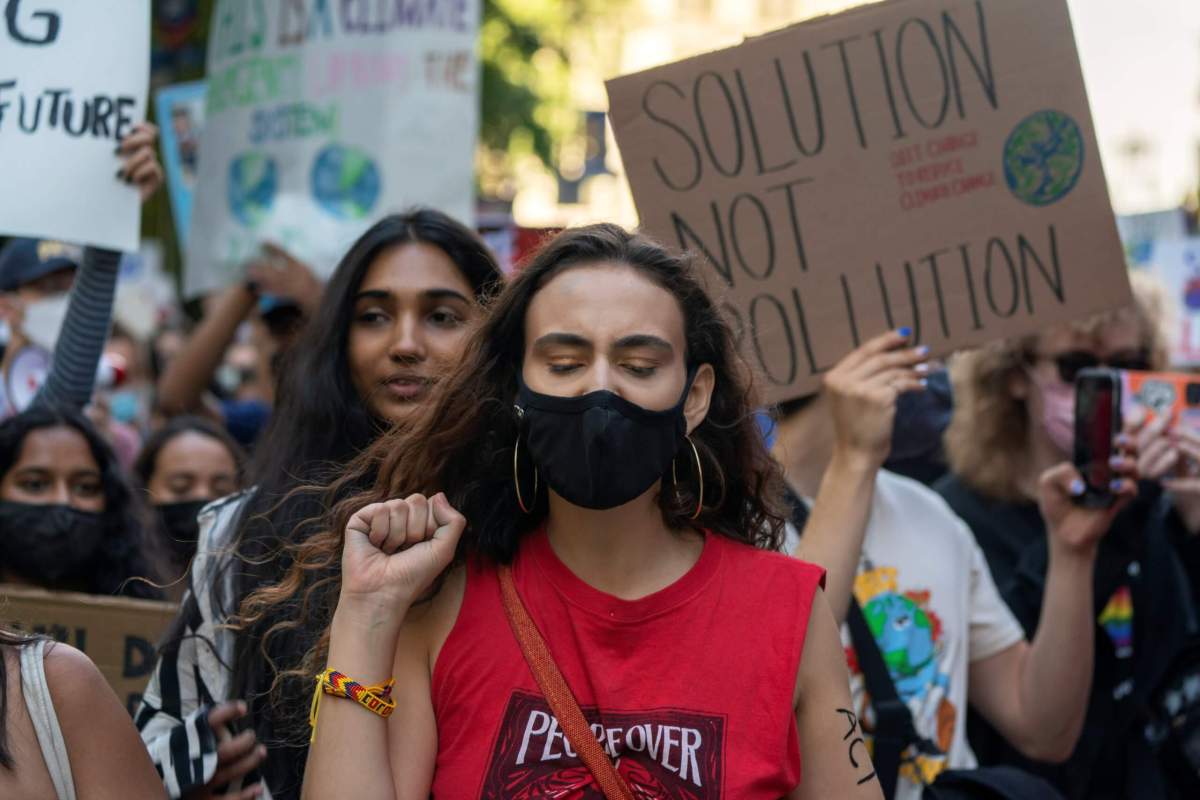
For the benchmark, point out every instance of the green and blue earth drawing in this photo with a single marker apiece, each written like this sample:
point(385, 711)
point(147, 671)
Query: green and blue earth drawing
point(346, 183)
point(1043, 157)
point(253, 185)
point(908, 640)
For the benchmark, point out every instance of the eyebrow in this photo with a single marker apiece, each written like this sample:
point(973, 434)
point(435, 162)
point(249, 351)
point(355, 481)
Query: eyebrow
point(428, 294)
point(624, 343)
point(644, 340)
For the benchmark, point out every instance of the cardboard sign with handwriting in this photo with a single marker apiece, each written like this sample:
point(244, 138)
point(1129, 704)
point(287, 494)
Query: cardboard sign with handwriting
point(119, 634)
point(920, 163)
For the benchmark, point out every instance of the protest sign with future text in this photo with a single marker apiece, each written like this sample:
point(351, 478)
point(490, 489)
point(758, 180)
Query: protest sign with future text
point(73, 81)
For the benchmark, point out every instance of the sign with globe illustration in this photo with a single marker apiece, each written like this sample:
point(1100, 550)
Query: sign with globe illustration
point(320, 118)
point(253, 183)
point(1043, 157)
point(345, 182)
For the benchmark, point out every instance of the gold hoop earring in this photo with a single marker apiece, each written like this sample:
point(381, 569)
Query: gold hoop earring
point(517, 478)
point(699, 478)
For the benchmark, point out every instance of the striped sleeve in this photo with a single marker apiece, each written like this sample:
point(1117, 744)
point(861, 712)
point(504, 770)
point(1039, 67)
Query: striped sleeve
point(85, 330)
point(192, 673)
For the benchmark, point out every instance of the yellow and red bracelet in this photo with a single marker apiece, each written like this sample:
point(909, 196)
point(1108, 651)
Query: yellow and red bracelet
point(376, 699)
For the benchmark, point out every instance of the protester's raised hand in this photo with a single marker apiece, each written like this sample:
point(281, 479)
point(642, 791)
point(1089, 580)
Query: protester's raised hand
point(394, 551)
point(139, 162)
point(237, 756)
point(277, 272)
point(863, 389)
point(1077, 528)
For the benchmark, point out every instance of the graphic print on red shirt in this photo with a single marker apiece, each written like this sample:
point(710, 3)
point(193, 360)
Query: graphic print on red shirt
point(689, 689)
point(663, 753)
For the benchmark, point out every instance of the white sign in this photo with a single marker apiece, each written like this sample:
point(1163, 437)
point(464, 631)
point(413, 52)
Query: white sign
point(1176, 264)
point(73, 81)
point(322, 117)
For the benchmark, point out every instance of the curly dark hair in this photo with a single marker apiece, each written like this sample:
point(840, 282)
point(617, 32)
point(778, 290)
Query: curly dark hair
point(462, 443)
point(120, 566)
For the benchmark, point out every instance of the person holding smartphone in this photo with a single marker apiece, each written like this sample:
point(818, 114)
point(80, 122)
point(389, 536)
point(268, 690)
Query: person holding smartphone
point(1014, 418)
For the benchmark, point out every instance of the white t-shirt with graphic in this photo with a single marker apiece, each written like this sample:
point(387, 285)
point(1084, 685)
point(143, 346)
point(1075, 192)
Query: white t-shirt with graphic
point(930, 600)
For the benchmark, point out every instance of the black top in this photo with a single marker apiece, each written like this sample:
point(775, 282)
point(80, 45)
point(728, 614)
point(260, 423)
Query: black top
point(1140, 590)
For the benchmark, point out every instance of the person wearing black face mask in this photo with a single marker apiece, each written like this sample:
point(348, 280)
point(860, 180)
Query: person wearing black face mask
point(68, 519)
point(185, 465)
point(595, 464)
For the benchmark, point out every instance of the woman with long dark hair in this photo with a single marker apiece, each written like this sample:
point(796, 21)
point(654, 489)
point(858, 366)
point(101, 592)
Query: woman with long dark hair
point(617, 508)
point(69, 520)
point(393, 321)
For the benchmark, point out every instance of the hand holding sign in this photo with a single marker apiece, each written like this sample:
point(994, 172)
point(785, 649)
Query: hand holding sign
point(141, 167)
point(863, 389)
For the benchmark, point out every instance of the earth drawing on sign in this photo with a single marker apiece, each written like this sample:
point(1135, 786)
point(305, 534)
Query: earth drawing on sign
point(253, 184)
point(346, 182)
point(1043, 157)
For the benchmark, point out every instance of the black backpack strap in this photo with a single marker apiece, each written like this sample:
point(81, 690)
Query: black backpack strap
point(894, 729)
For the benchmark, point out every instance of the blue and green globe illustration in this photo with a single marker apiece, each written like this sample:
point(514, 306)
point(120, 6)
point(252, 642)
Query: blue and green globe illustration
point(345, 182)
point(253, 184)
point(1043, 157)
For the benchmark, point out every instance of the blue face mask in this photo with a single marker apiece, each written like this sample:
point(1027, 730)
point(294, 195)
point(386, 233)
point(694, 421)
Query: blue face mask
point(124, 406)
point(921, 419)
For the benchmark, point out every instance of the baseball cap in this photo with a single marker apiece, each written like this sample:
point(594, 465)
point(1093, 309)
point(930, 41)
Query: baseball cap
point(23, 261)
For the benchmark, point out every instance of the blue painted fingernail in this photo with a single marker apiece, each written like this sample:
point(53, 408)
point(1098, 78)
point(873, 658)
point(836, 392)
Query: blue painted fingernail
point(1078, 487)
point(1114, 486)
point(923, 351)
point(1116, 461)
point(905, 331)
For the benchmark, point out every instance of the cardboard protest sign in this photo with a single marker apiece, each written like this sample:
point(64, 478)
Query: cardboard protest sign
point(923, 163)
point(73, 81)
point(181, 118)
point(119, 634)
point(322, 117)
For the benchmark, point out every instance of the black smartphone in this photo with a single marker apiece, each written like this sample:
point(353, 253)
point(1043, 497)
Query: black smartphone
point(1097, 423)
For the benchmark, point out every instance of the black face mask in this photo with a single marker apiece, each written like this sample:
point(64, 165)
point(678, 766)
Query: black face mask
point(49, 544)
point(600, 451)
point(179, 527)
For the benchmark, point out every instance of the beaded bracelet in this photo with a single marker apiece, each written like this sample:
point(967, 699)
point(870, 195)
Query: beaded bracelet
point(376, 699)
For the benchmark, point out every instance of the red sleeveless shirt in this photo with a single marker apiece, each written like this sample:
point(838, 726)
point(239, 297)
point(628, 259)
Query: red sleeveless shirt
point(689, 690)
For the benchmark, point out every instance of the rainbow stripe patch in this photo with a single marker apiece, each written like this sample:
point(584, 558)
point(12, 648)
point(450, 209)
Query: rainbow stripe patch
point(1117, 621)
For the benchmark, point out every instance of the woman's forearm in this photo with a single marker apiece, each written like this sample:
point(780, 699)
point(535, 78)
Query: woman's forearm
point(349, 755)
point(182, 386)
point(833, 538)
point(1056, 678)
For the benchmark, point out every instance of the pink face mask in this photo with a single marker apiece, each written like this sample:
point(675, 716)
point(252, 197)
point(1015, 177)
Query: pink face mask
point(1058, 414)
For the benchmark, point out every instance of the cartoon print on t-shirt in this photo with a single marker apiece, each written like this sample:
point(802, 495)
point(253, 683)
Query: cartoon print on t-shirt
point(908, 633)
point(661, 753)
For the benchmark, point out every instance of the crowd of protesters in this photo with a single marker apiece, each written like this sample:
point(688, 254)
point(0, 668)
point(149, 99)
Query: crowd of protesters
point(435, 530)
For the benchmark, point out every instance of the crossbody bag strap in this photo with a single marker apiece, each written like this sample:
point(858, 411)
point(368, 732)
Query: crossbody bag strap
point(894, 729)
point(554, 688)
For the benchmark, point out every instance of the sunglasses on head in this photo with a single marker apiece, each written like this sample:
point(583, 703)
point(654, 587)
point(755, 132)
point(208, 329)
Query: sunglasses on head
point(1072, 362)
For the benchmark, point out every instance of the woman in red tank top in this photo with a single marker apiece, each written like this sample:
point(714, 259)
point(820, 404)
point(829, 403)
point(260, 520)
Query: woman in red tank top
point(599, 442)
